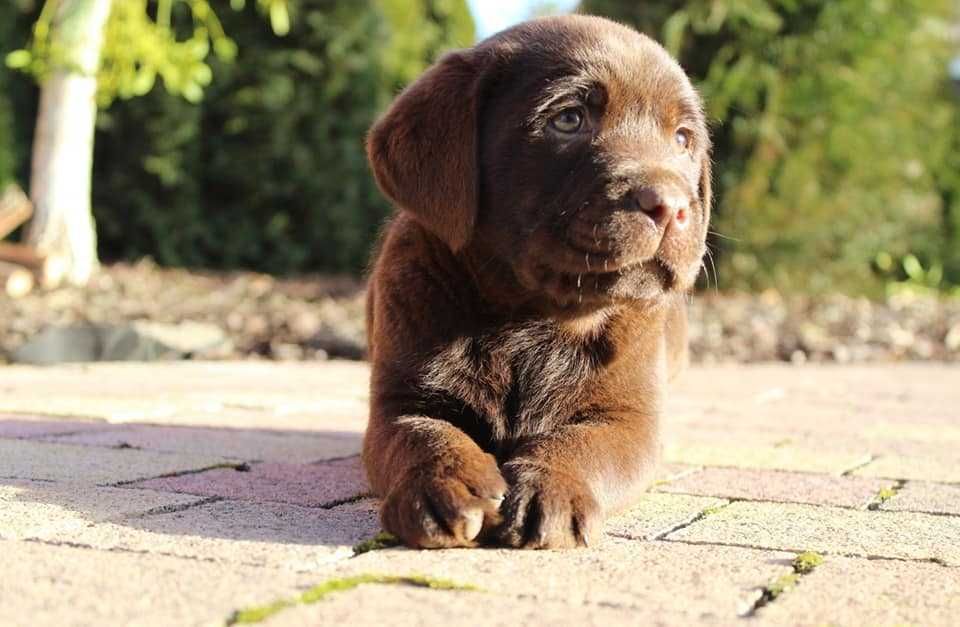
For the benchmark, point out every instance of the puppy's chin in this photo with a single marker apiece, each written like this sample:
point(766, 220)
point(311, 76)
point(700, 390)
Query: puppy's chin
point(565, 294)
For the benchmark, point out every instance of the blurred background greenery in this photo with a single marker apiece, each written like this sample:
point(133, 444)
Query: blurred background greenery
point(836, 126)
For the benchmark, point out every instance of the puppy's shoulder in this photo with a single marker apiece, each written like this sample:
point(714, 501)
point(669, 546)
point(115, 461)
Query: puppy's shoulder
point(417, 283)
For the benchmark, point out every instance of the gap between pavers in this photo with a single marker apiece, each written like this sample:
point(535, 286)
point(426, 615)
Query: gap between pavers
point(778, 486)
point(310, 485)
point(655, 515)
point(31, 509)
point(272, 535)
point(87, 465)
point(792, 527)
point(846, 591)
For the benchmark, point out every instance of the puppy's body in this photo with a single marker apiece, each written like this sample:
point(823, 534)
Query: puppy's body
point(526, 305)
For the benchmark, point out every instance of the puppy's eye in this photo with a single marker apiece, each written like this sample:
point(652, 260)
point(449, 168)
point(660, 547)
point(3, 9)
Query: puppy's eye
point(567, 121)
point(682, 137)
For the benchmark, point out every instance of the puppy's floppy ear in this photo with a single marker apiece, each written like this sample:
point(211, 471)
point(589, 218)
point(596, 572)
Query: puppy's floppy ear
point(424, 149)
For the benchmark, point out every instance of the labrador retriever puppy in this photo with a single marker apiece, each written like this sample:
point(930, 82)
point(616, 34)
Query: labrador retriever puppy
point(526, 307)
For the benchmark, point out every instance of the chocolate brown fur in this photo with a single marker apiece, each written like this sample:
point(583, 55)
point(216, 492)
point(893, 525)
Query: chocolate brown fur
point(527, 304)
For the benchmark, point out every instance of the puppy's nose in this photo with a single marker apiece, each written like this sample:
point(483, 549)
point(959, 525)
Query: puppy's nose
point(663, 205)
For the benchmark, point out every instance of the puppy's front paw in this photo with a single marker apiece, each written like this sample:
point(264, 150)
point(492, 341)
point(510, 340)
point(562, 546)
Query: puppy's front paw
point(446, 503)
point(547, 509)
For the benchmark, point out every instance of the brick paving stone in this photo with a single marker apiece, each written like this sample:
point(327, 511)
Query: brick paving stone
point(26, 459)
point(787, 487)
point(674, 583)
point(793, 527)
point(46, 585)
point(788, 457)
point(939, 434)
point(656, 514)
point(242, 444)
point(409, 606)
point(671, 472)
point(27, 426)
point(943, 467)
point(920, 496)
point(872, 593)
point(327, 396)
point(258, 534)
point(310, 485)
point(30, 508)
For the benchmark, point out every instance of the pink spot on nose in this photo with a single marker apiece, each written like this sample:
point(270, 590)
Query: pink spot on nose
point(680, 219)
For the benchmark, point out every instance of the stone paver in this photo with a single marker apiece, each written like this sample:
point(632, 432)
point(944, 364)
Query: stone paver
point(241, 444)
point(21, 459)
point(31, 508)
point(676, 583)
point(787, 487)
point(27, 426)
point(655, 515)
point(881, 593)
point(788, 457)
point(919, 496)
point(408, 606)
point(54, 586)
point(121, 503)
point(310, 485)
point(942, 467)
point(323, 396)
point(260, 534)
point(794, 527)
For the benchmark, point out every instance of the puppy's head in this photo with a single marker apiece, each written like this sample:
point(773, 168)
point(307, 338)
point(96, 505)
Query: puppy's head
point(573, 150)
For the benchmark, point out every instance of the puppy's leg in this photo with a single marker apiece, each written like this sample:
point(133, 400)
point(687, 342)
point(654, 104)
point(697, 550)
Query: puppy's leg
point(563, 483)
point(439, 488)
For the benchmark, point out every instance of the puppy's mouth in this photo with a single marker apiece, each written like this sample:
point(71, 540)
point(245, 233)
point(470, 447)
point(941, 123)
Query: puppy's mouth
point(646, 280)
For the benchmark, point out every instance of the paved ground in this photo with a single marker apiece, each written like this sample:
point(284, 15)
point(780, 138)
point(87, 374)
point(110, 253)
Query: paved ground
point(212, 493)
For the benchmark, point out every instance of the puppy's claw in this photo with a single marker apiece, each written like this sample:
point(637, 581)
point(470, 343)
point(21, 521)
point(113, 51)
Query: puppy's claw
point(547, 510)
point(440, 508)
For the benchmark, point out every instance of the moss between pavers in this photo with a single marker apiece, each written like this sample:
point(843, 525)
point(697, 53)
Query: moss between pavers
point(382, 540)
point(803, 564)
point(321, 591)
point(885, 494)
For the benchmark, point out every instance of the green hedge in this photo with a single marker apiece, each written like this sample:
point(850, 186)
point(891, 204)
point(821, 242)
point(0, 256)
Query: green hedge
point(268, 172)
point(17, 93)
point(837, 137)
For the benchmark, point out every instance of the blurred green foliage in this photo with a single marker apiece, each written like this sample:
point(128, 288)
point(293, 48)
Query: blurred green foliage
point(16, 106)
point(837, 135)
point(268, 170)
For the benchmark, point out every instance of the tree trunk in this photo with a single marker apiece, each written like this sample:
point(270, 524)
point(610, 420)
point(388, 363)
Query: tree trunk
point(62, 161)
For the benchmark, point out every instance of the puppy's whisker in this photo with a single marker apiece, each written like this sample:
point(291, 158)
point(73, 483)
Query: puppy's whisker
point(721, 235)
point(716, 277)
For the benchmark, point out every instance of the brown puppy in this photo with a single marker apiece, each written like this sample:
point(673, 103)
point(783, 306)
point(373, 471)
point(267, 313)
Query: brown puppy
point(527, 304)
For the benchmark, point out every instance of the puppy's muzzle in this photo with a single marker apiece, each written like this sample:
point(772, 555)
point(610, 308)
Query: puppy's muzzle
point(665, 205)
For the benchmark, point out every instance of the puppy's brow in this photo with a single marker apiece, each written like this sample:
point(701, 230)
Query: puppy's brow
point(560, 92)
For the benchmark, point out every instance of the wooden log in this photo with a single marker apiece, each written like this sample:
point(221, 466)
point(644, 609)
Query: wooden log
point(21, 255)
point(17, 281)
point(52, 270)
point(15, 209)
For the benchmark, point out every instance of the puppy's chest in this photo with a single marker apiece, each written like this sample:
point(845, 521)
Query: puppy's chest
point(520, 379)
